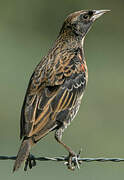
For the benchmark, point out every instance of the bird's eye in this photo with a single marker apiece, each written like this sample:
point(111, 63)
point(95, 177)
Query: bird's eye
point(85, 16)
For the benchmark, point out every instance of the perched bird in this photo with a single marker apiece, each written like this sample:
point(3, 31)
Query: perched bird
point(56, 87)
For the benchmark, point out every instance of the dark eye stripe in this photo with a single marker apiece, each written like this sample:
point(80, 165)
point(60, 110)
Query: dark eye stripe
point(90, 13)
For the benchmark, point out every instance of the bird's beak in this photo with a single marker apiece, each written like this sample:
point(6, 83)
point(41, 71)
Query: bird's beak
point(98, 13)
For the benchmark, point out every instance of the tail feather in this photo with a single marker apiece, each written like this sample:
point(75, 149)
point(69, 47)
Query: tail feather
point(23, 153)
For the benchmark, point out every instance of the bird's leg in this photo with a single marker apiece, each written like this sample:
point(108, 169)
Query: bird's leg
point(72, 154)
point(31, 162)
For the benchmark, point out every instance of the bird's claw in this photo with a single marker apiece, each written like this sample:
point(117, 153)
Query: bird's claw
point(31, 162)
point(72, 161)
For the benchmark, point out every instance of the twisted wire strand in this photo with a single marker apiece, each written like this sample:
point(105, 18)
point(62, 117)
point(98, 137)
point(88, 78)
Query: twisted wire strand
point(64, 158)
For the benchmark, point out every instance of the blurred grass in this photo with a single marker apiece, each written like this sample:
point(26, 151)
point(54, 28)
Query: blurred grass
point(27, 30)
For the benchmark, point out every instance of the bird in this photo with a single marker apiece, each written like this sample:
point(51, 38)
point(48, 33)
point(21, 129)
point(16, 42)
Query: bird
point(56, 88)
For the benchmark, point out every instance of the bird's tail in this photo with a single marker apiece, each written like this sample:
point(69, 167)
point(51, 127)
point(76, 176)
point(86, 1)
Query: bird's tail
point(23, 153)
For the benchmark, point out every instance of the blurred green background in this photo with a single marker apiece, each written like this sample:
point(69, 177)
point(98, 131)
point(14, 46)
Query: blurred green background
point(28, 29)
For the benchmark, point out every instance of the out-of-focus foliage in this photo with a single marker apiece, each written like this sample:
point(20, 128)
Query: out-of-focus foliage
point(28, 29)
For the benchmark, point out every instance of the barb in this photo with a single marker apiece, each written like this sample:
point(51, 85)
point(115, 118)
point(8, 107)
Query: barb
point(64, 158)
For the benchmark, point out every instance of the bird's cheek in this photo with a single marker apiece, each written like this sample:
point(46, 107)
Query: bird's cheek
point(86, 27)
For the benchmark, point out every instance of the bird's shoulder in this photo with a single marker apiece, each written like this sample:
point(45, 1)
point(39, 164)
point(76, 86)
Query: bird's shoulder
point(62, 64)
point(56, 67)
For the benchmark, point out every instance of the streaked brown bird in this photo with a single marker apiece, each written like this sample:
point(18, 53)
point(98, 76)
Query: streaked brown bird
point(56, 87)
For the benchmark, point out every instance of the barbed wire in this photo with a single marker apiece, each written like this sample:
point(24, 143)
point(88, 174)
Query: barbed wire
point(76, 160)
point(64, 158)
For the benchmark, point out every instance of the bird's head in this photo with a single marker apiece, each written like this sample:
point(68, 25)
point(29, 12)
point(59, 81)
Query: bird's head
point(80, 22)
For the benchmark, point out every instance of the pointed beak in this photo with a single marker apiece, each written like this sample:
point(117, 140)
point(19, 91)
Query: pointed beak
point(98, 13)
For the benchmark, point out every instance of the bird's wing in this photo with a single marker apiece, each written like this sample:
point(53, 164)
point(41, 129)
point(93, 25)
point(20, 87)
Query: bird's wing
point(50, 93)
point(37, 82)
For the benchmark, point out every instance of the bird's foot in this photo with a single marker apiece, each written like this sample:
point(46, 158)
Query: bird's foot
point(72, 161)
point(31, 162)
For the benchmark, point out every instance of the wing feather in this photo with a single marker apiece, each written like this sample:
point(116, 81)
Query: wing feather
point(49, 94)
